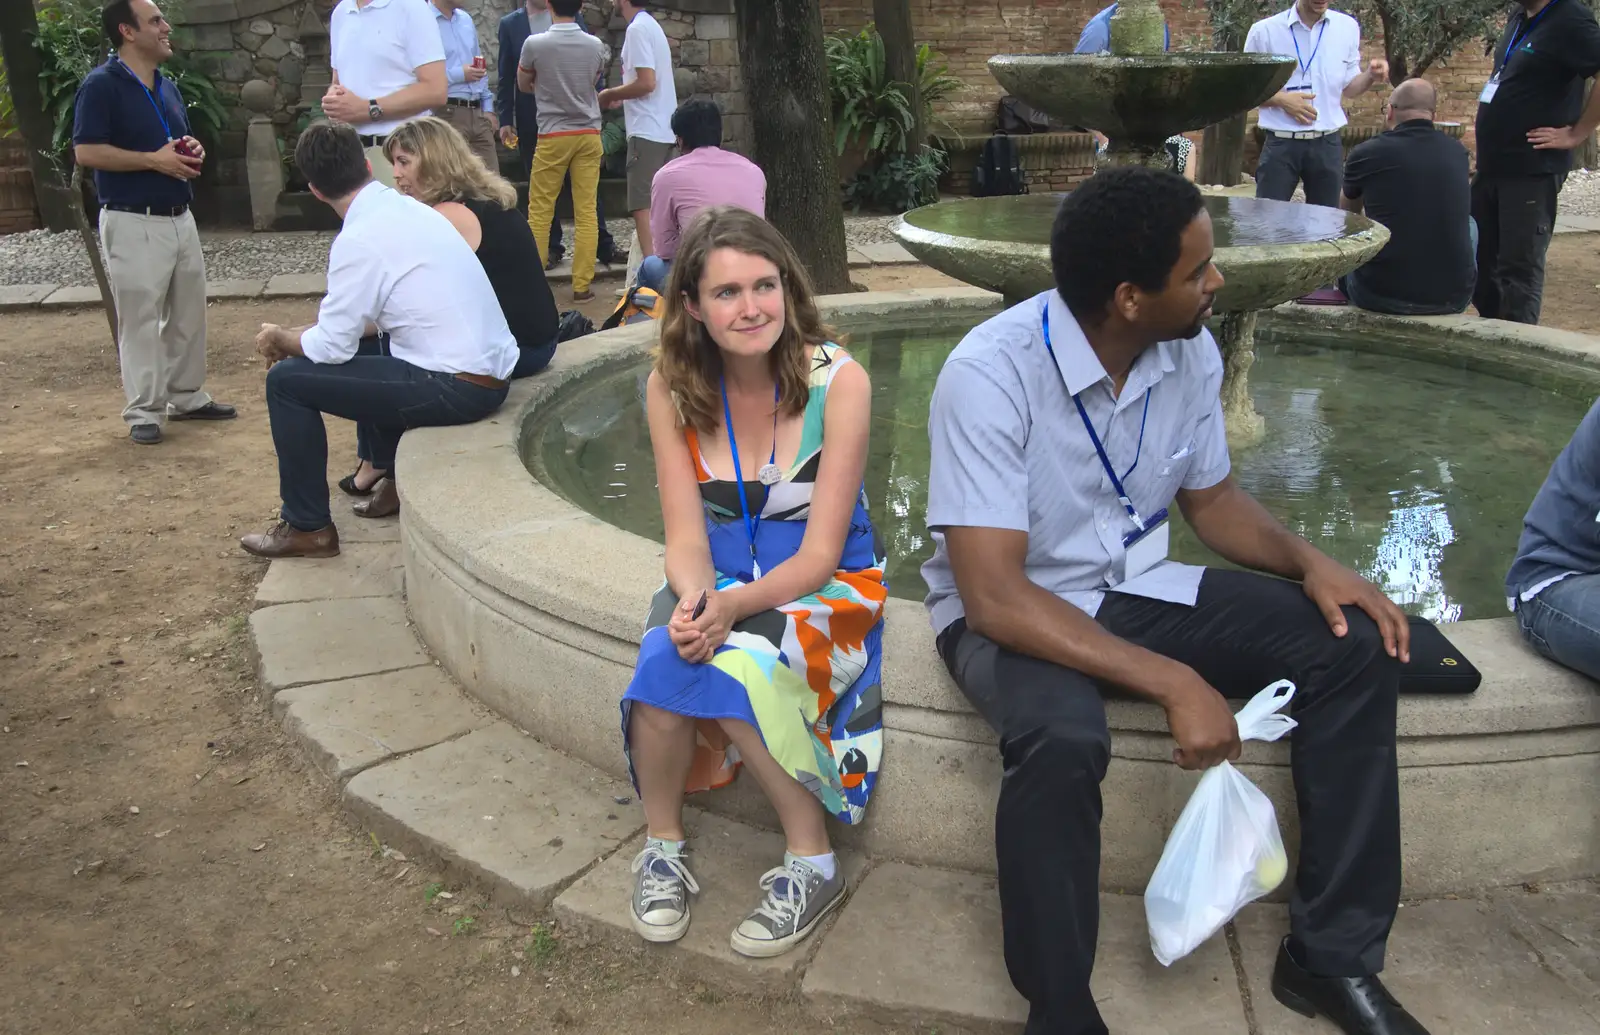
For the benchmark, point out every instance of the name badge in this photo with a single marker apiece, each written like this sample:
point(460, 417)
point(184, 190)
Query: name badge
point(1146, 548)
point(1489, 89)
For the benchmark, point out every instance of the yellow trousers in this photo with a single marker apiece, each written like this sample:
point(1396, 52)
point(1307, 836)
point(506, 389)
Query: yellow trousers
point(554, 157)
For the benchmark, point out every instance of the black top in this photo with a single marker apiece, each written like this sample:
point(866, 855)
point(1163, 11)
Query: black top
point(114, 107)
point(511, 259)
point(1542, 85)
point(1414, 180)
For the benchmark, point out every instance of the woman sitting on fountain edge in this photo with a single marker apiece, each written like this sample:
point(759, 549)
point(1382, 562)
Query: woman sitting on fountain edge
point(763, 647)
point(1062, 431)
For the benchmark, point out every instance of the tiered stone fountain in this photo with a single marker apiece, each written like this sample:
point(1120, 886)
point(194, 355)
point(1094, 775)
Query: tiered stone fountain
point(1138, 96)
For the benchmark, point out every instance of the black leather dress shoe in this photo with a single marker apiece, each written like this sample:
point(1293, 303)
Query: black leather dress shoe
point(1359, 1006)
point(210, 411)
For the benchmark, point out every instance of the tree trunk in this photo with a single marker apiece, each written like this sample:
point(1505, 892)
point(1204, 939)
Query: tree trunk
point(786, 81)
point(1222, 152)
point(893, 18)
point(18, 24)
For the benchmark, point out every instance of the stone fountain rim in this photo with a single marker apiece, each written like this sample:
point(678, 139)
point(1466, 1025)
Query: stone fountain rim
point(1171, 59)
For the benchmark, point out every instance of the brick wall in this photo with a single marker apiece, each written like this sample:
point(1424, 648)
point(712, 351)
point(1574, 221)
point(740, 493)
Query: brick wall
point(967, 32)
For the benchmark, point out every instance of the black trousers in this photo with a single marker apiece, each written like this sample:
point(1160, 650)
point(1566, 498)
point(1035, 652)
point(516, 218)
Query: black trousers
point(608, 245)
point(1516, 216)
point(1244, 632)
point(1286, 164)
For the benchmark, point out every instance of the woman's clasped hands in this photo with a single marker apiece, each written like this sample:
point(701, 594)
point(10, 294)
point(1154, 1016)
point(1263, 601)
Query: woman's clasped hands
point(697, 638)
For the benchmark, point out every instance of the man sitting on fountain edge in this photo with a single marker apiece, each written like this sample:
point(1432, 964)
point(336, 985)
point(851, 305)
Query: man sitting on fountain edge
point(1062, 432)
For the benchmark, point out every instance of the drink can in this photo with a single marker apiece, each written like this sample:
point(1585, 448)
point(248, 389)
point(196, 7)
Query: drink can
point(480, 62)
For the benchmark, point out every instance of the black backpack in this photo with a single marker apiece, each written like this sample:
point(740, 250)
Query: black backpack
point(999, 170)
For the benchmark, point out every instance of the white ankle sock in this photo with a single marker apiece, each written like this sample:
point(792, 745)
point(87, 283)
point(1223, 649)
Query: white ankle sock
point(828, 864)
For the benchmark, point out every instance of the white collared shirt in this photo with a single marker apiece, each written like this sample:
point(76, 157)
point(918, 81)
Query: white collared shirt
point(1336, 43)
point(376, 49)
point(1010, 451)
point(400, 265)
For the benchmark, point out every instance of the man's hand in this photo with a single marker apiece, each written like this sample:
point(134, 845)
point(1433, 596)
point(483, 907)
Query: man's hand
point(197, 150)
point(473, 73)
point(494, 121)
point(1202, 724)
point(1332, 587)
point(267, 344)
point(505, 134)
point(169, 162)
point(609, 99)
point(341, 105)
point(1555, 138)
point(1298, 106)
point(1378, 69)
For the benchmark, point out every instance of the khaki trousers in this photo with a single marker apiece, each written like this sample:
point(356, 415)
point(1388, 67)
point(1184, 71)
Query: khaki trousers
point(475, 128)
point(158, 279)
point(556, 155)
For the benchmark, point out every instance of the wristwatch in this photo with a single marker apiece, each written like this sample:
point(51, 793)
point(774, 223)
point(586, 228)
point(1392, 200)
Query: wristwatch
point(374, 112)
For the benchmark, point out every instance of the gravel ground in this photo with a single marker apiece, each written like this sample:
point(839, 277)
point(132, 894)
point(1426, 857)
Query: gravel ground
point(40, 257)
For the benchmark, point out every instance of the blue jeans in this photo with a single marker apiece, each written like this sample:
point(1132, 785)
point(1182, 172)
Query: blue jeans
point(653, 273)
point(1362, 296)
point(387, 395)
point(1563, 623)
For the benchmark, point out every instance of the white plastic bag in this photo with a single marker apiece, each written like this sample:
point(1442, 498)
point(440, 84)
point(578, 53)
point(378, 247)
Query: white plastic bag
point(1225, 851)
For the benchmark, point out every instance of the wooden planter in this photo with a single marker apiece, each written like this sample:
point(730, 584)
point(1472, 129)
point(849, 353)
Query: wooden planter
point(18, 208)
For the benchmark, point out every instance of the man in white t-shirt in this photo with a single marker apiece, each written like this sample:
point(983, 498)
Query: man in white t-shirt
point(648, 97)
point(388, 65)
point(1304, 120)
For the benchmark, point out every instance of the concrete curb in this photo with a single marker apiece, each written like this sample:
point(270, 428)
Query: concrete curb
point(22, 297)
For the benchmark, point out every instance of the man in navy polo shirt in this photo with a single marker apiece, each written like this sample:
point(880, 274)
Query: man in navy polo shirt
point(131, 129)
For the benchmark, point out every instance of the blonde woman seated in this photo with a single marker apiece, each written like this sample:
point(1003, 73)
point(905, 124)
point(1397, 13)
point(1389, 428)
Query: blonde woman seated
point(433, 164)
point(762, 649)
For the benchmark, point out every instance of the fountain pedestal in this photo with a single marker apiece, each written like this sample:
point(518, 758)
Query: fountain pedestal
point(1236, 338)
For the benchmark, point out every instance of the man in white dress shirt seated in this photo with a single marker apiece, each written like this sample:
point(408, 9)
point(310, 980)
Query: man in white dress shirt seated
point(397, 268)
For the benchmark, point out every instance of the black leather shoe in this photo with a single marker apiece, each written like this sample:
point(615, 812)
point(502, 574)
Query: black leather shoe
point(145, 434)
point(210, 411)
point(1359, 1006)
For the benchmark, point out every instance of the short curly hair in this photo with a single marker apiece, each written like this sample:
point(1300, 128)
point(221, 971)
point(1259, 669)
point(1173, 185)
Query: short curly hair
point(1123, 225)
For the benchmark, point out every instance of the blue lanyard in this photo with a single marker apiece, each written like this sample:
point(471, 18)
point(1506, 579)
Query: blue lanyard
point(752, 521)
point(166, 127)
point(1523, 32)
point(1105, 461)
point(1305, 66)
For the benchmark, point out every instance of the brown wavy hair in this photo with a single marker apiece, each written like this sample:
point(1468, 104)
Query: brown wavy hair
point(447, 170)
point(689, 361)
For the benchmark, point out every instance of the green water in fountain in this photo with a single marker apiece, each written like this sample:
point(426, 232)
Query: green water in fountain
point(1415, 474)
point(1235, 222)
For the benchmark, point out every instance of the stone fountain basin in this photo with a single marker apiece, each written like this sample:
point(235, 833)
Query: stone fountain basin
point(1268, 251)
point(1146, 97)
point(536, 607)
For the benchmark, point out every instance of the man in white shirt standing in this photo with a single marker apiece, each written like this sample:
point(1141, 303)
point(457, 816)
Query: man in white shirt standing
point(1303, 121)
point(397, 268)
point(469, 103)
point(388, 65)
point(648, 97)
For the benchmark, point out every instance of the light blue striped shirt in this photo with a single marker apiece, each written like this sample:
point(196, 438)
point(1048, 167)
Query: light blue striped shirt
point(1010, 451)
point(460, 39)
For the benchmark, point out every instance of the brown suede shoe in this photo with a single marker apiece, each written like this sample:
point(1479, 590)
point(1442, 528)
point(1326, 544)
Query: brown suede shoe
point(284, 540)
point(385, 501)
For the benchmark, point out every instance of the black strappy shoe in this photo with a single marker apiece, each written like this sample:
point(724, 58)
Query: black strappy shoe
point(348, 485)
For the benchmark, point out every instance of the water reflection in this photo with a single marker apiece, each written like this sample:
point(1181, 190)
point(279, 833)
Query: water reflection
point(1416, 475)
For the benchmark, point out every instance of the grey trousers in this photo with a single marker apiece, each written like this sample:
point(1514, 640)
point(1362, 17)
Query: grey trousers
point(1285, 164)
point(158, 279)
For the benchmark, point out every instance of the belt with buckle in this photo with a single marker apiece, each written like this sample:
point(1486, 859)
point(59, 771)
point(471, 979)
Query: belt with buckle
point(483, 381)
point(368, 140)
point(172, 211)
point(1310, 134)
point(462, 102)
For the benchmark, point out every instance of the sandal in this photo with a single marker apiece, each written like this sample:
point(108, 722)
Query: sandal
point(348, 485)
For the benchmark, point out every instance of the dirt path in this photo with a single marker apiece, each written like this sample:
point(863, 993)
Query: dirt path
point(167, 863)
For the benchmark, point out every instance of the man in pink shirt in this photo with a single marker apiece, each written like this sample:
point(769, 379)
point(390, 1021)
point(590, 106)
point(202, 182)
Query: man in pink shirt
point(704, 175)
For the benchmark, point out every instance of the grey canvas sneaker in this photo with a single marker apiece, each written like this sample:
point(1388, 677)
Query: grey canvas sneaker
point(662, 885)
point(797, 898)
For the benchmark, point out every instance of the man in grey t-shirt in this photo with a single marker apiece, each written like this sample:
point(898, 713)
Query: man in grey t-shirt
point(1063, 431)
point(560, 67)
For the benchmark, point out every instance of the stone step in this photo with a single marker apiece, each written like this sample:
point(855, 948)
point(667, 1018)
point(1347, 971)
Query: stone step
point(923, 946)
point(320, 641)
point(728, 859)
point(498, 808)
point(360, 570)
point(353, 724)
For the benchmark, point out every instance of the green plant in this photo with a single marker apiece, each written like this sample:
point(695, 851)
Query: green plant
point(463, 924)
point(431, 892)
point(541, 944)
point(868, 106)
point(898, 182)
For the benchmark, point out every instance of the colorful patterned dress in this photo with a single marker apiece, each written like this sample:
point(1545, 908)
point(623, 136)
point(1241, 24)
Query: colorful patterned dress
point(806, 674)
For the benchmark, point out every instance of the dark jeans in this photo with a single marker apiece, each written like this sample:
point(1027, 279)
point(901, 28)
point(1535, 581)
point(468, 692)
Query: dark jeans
point(1516, 216)
point(531, 361)
point(388, 395)
point(608, 245)
point(1244, 632)
point(1286, 164)
point(1364, 293)
point(1563, 623)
